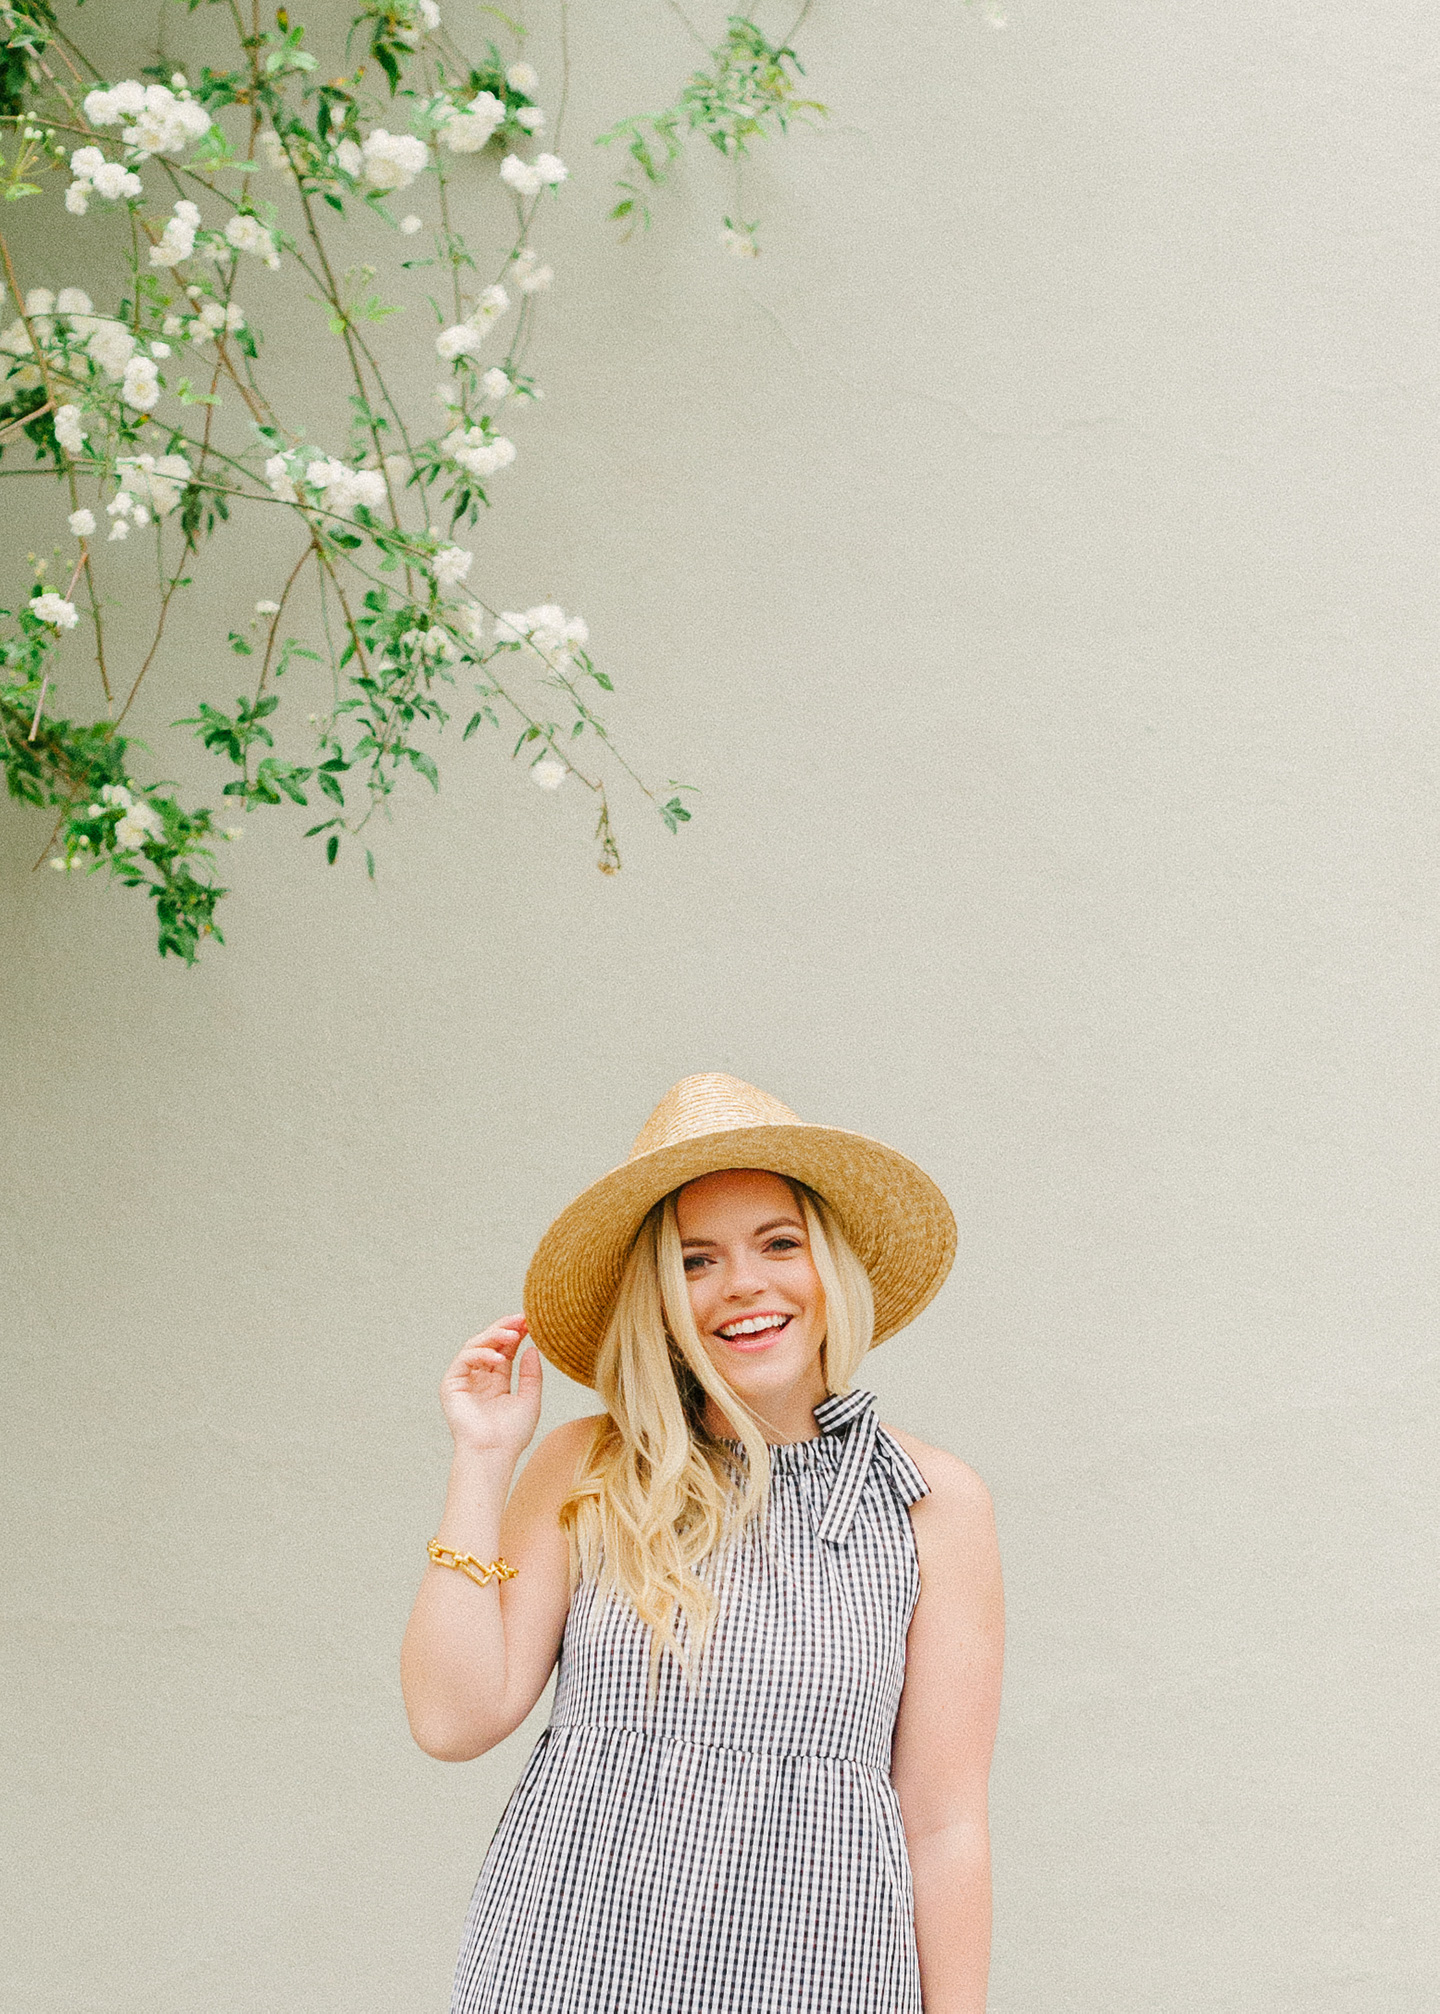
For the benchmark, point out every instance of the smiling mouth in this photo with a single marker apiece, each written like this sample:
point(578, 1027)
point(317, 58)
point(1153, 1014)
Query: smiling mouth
point(753, 1332)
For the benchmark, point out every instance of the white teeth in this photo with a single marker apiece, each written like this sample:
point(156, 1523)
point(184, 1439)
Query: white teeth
point(754, 1325)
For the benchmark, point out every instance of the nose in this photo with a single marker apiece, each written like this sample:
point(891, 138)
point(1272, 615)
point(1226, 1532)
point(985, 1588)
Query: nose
point(743, 1278)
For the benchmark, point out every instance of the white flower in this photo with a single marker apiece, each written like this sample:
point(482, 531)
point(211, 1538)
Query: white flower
point(53, 608)
point(218, 315)
point(450, 566)
point(277, 474)
point(537, 280)
point(529, 178)
point(177, 241)
point(531, 118)
point(164, 123)
point(82, 523)
point(345, 489)
point(520, 77)
point(85, 160)
point(173, 325)
point(114, 181)
point(523, 179)
point(68, 430)
point(547, 628)
point(120, 505)
point(549, 772)
point(462, 339)
point(140, 517)
point(472, 621)
point(122, 101)
point(410, 225)
point(73, 301)
point(267, 608)
point(470, 448)
point(494, 301)
point(429, 13)
point(77, 202)
point(273, 148)
point(393, 160)
point(139, 823)
point(159, 482)
point(141, 386)
point(350, 158)
point(495, 384)
point(248, 234)
point(232, 831)
point(112, 346)
point(741, 243)
point(466, 129)
point(116, 793)
point(39, 301)
point(159, 349)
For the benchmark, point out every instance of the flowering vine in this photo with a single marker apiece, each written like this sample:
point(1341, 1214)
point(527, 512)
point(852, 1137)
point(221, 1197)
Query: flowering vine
point(154, 412)
point(748, 92)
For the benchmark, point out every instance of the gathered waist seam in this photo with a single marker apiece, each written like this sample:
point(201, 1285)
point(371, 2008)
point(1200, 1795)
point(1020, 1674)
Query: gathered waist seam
point(715, 1747)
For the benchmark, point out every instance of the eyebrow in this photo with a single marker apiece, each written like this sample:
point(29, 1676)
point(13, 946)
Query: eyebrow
point(775, 1223)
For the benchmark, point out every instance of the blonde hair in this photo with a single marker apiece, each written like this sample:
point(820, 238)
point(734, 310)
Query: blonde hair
point(659, 1497)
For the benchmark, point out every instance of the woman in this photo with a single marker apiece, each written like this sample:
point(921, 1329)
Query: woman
point(778, 1624)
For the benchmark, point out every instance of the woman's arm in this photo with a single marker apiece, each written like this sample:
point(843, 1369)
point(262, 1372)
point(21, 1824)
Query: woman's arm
point(475, 1659)
point(945, 1732)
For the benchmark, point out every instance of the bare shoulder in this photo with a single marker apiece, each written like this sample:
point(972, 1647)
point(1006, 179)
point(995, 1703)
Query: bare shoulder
point(551, 1469)
point(954, 1486)
point(955, 1525)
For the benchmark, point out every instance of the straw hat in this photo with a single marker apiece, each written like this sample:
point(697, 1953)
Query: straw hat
point(890, 1210)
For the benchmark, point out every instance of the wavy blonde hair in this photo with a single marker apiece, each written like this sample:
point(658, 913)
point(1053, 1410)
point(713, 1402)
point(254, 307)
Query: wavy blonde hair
point(659, 1498)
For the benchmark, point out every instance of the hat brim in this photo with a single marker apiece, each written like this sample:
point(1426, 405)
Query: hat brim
point(894, 1216)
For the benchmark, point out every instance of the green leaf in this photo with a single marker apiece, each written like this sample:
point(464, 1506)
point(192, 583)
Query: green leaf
point(332, 847)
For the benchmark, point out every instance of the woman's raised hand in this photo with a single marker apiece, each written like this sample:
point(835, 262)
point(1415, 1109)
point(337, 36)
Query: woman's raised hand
point(484, 1415)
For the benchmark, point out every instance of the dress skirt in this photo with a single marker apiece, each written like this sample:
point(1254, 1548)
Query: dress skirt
point(738, 1850)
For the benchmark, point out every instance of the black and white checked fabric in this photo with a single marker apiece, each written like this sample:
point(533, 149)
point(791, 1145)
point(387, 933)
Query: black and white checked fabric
point(738, 1851)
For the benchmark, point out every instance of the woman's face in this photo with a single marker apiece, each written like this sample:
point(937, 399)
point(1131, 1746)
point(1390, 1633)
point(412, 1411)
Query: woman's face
point(756, 1297)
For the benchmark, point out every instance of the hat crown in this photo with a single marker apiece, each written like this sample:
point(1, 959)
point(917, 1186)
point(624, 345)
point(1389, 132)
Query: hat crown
point(708, 1103)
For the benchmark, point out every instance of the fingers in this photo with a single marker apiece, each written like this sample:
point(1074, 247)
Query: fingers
point(493, 1350)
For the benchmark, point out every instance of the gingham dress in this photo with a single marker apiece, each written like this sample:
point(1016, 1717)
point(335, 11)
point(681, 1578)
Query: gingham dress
point(739, 1851)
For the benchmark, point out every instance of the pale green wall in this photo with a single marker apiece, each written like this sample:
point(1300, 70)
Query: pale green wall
point(1033, 556)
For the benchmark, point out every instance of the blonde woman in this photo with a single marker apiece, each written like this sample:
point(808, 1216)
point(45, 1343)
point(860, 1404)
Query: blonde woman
point(777, 1623)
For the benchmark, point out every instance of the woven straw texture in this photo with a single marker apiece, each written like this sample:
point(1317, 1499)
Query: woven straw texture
point(890, 1210)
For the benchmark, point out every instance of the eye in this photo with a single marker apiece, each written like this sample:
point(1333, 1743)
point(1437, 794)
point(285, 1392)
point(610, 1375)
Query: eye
point(784, 1243)
point(694, 1261)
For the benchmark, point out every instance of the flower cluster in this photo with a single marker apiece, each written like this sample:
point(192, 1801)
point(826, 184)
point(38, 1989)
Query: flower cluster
point(177, 240)
point(54, 609)
point(547, 629)
point(450, 566)
point(477, 451)
point(385, 161)
point(246, 233)
point(95, 175)
point(528, 178)
point(135, 820)
point(463, 339)
point(465, 129)
point(165, 121)
point(396, 614)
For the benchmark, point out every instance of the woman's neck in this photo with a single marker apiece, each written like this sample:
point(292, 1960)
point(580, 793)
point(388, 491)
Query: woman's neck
point(781, 1416)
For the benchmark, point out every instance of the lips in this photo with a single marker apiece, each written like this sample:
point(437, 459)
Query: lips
point(756, 1339)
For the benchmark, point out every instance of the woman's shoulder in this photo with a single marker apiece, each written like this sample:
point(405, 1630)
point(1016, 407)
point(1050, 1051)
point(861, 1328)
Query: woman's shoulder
point(554, 1463)
point(955, 1488)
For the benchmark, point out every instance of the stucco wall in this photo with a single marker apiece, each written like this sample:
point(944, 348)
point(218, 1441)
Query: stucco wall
point(1033, 557)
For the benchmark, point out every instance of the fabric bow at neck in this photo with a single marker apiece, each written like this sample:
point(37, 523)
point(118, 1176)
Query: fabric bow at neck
point(850, 1417)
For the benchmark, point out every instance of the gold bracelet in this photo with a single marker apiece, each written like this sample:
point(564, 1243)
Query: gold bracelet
point(472, 1568)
